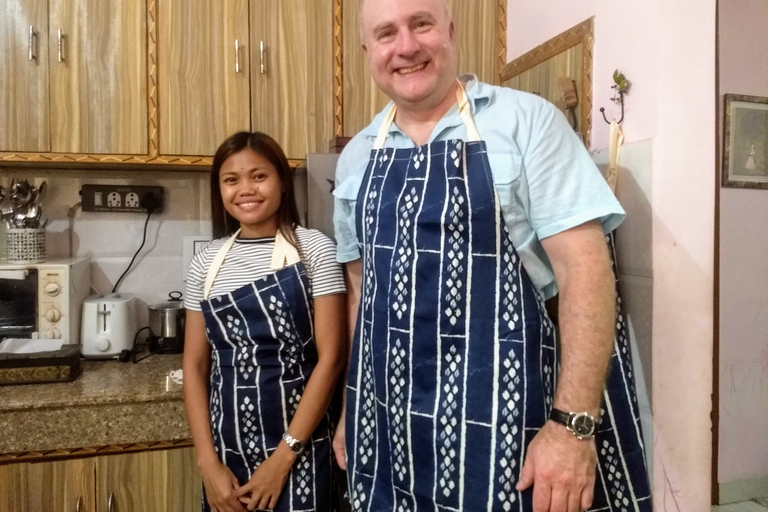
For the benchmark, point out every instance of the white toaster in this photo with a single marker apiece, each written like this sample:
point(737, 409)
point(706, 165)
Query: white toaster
point(108, 326)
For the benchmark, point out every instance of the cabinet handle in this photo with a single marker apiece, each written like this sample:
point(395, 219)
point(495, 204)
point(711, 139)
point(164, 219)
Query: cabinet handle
point(59, 41)
point(79, 504)
point(32, 52)
point(111, 502)
point(237, 56)
point(262, 67)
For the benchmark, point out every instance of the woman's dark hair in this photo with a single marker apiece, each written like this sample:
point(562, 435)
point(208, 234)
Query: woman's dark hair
point(262, 144)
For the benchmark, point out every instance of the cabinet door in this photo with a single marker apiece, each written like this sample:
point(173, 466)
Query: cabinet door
point(362, 97)
point(97, 54)
point(203, 84)
point(476, 28)
point(48, 486)
point(157, 481)
point(292, 78)
point(24, 80)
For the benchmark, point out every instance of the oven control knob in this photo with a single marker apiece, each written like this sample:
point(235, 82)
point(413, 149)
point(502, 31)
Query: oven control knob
point(102, 344)
point(52, 289)
point(53, 334)
point(53, 315)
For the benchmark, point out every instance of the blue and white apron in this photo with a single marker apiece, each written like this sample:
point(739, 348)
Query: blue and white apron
point(263, 352)
point(454, 359)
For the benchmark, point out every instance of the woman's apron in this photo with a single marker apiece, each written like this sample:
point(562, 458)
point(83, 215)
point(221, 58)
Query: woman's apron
point(454, 359)
point(263, 352)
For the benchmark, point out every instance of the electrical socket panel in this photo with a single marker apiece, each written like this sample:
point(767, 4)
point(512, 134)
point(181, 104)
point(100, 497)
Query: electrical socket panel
point(118, 198)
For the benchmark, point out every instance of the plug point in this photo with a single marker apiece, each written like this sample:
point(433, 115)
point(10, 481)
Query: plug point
point(151, 202)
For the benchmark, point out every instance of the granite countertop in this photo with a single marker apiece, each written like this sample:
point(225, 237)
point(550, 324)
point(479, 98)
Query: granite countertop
point(110, 403)
point(100, 382)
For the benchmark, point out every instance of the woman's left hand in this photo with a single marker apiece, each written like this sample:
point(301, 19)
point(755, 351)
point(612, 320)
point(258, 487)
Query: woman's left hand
point(263, 489)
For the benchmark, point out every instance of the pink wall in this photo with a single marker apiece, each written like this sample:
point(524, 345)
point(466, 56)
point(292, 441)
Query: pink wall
point(743, 443)
point(667, 49)
point(619, 27)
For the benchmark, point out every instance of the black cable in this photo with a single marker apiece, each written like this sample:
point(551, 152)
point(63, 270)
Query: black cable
point(138, 348)
point(143, 239)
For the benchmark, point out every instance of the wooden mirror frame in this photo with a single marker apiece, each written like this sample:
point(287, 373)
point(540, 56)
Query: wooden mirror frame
point(583, 34)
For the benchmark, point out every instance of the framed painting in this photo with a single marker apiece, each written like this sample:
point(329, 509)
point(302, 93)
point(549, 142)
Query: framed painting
point(745, 142)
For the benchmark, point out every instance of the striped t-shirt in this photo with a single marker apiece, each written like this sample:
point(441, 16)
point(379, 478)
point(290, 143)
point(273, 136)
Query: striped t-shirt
point(250, 259)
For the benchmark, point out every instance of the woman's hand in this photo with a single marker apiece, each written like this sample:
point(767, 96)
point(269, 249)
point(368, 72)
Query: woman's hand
point(221, 486)
point(339, 444)
point(263, 489)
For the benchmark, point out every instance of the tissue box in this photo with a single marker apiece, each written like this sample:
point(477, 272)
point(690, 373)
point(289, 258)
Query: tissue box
point(61, 365)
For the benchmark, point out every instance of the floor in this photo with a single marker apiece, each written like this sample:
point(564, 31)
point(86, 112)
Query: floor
point(760, 505)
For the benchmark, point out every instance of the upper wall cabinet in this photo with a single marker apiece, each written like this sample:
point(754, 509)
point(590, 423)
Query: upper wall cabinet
point(73, 76)
point(98, 86)
point(292, 73)
point(476, 30)
point(203, 74)
point(24, 75)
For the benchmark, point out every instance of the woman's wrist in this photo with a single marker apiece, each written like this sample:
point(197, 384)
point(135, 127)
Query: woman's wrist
point(206, 457)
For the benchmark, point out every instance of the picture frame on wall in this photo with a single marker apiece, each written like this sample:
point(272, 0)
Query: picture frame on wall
point(745, 142)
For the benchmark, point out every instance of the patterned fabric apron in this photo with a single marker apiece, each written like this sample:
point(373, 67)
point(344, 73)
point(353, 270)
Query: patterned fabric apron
point(453, 366)
point(263, 352)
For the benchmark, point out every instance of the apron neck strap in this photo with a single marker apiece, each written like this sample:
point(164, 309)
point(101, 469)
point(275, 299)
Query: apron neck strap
point(283, 254)
point(464, 111)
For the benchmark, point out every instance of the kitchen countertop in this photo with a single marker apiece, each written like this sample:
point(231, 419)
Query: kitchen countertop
point(109, 403)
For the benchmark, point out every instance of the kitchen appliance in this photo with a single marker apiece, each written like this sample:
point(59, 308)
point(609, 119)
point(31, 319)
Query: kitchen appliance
point(166, 325)
point(109, 325)
point(44, 299)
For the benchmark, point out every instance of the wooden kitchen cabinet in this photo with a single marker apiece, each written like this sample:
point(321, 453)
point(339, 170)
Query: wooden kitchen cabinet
point(151, 481)
point(476, 31)
point(98, 86)
point(24, 75)
point(84, 90)
point(292, 78)
point(154, 481)
point(48, 486)
point(203, 83)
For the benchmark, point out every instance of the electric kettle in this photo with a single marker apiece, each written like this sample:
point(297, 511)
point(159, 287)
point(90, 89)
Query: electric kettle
point(166, 325)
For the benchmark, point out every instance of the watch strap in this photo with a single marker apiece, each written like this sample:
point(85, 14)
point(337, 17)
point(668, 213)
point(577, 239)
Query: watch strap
point(296, 445)
point(560, 417)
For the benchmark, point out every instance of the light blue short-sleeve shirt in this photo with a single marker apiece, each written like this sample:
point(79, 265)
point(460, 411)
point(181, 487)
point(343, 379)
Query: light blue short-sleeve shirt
point(544, 177)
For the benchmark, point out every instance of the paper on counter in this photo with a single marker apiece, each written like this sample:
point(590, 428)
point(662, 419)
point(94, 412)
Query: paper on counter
point(29, 346)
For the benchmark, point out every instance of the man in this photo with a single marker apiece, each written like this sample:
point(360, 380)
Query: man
point(476, 204)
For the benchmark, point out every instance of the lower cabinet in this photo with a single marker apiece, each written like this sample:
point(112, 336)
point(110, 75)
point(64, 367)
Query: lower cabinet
point(154, 481)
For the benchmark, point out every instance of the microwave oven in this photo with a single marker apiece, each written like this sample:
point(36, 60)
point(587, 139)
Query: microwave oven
point(44, 300)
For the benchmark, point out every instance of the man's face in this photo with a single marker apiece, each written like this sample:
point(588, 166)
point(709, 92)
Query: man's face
point(410, 49)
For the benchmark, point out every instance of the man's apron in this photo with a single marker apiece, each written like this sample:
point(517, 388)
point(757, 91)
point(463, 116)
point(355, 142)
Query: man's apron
point(454, 359)
point(263, 352)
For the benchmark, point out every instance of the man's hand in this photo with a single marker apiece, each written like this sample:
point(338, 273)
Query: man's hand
point(339, 446)
point(561, 469)
point(263, 489)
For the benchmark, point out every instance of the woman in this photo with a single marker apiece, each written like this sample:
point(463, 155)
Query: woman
point(264, 340)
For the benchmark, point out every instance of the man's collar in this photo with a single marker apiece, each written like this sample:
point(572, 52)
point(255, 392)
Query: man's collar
point(477, 92)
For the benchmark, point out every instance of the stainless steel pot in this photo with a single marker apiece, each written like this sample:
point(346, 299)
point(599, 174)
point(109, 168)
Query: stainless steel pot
point(166, 325)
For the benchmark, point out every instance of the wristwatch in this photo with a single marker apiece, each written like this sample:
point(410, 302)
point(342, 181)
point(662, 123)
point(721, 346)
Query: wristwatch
point(294, 444)
point(582, 424)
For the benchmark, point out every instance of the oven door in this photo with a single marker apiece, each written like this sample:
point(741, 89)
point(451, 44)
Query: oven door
point(18, 303)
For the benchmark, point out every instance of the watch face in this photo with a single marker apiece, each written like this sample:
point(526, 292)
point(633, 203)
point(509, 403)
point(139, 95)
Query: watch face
point(583, 425)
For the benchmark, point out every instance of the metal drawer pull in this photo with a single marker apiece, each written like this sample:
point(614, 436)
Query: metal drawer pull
point(79, 505)
point(237, 56)
point(261, 57)
point(32, 52)
point(59, 39)
point(111, 502)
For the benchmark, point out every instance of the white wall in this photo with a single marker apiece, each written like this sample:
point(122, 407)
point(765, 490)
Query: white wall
point(111, 239)
point(667, 50)
point(743, 432)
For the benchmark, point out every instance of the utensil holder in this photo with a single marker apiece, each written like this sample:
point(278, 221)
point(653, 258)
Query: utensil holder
point(25, 245)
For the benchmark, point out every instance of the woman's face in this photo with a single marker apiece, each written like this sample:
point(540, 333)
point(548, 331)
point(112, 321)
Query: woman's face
point(251, 191)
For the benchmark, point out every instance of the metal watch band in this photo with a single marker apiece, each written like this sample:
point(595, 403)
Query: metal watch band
point(294, 444)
